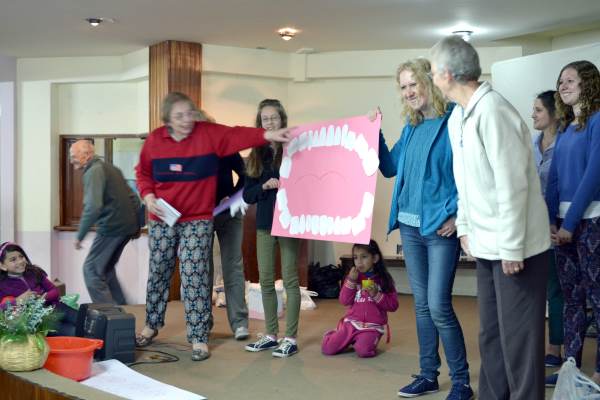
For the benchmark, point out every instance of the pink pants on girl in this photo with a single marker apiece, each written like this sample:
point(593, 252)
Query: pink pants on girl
point(364, 341)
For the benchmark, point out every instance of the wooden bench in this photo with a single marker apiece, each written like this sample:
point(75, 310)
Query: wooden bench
point(398, 262)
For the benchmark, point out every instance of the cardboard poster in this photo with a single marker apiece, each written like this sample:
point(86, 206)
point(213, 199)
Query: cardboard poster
point(327, 181)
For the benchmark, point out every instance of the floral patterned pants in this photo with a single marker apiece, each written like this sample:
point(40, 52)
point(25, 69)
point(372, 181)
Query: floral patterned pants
point(193, 241)
point(578, 267)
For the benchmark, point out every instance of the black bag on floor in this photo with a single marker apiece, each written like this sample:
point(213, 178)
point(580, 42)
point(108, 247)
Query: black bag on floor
point(325, 280)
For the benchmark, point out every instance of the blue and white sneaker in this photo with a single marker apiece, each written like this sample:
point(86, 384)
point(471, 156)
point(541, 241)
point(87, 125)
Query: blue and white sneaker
point(263, 343)
point(460, 391)
point(550, 360)
point(550, 380)
point(419, 386)
point(286, 348)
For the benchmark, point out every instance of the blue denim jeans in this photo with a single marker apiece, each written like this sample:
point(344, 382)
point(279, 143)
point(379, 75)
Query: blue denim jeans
point(431, 266)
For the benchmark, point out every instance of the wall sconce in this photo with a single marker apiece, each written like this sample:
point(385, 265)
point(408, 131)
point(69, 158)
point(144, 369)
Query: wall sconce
point(287, 33)
point(465, 35)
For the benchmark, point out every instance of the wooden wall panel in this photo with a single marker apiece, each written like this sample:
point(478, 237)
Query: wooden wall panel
point(16, 388)
point(174, 66)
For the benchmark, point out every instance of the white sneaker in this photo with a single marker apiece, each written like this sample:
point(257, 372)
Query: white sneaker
point(220, 301)
point(241, 333)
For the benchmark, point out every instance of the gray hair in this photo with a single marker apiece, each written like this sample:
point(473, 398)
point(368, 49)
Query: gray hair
point(458, 57)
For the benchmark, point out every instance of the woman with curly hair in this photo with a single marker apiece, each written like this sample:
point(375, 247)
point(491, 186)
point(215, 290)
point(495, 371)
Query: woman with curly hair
point(423, 208)
point(573, 197)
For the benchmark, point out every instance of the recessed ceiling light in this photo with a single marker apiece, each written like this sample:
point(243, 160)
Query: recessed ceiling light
point(464, 34)
point(287, 33)
point(96, 21)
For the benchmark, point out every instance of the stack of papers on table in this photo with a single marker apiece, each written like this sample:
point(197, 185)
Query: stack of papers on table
point(114, 377)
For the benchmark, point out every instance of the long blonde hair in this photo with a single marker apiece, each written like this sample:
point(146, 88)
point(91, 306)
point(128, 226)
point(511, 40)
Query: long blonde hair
point(254, 165)
point(421, 69)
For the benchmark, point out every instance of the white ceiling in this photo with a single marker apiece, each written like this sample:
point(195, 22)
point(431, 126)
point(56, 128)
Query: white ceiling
point(39, 28)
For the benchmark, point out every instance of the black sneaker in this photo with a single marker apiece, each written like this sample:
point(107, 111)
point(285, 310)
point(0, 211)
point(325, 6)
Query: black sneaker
point(263, 343)
point(286, 349)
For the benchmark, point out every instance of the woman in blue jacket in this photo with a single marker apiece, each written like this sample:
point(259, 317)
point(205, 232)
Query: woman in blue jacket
point(424, 207)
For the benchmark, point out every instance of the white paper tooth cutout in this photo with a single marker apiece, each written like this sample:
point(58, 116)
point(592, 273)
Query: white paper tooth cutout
point(329, 225)
point(358, 225)
point(282, 200)
point(286, 167)
point(330, 136)
point(303, 141)
point(371, 162)
point(284, 219)
point(308, 223)
point(302, 224)
point(295, 226)
point(314, 226)
point(293, 146)
point(361, 147)
point(323, 225)
point(367, 205)
point(350, 141)
point(337, 226)
point(338, 136)
point(322, 137)
point(345, 225)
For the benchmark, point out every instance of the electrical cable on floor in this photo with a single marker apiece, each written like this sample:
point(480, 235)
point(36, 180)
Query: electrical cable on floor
point(160, 357)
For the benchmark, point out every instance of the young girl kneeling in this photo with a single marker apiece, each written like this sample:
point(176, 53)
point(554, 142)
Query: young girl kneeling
point(369, 293)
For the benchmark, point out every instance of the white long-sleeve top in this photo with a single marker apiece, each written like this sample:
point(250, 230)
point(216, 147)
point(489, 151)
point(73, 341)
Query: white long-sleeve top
point(500, 203)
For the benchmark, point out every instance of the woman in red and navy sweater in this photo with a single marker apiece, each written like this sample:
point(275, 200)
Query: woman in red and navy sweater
point(179, 164)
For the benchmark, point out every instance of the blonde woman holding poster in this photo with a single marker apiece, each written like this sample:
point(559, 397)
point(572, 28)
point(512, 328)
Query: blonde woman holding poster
point(423, 208)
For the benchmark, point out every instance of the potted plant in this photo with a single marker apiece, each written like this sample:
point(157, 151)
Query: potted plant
point(24, 325)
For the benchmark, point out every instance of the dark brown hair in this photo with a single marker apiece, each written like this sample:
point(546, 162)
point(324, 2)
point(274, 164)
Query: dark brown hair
point(38, 273)
point(254, 165)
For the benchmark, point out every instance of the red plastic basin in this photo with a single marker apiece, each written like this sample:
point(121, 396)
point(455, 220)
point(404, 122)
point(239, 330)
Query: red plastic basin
point(72, 357)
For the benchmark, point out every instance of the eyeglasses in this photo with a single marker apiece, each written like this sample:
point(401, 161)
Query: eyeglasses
point(273, 118)
point(192, 114)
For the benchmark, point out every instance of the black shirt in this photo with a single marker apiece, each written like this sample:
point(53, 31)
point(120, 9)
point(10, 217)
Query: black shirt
point(264, 199)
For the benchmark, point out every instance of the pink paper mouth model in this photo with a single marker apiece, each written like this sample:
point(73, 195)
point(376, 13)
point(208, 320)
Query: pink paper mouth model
point(327, 181)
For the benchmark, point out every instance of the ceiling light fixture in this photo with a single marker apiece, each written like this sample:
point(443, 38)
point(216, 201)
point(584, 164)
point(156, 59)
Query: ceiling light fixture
point(464, 34)
point(287, 33)
point(94, 21)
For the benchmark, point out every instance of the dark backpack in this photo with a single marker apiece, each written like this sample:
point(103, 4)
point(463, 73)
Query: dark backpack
point(325, 280)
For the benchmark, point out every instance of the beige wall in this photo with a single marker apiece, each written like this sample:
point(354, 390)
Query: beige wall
point(88, 95)
point(576, 39)
point(110, 94)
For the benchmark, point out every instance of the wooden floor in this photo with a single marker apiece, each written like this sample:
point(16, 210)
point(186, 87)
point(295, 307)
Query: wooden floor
point(232, 373)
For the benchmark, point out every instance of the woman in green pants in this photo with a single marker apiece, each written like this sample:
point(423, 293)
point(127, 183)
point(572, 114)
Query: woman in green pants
point(262, 182)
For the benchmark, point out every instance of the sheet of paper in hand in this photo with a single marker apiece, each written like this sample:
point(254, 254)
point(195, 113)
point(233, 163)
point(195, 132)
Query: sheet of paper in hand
point(327, 181)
